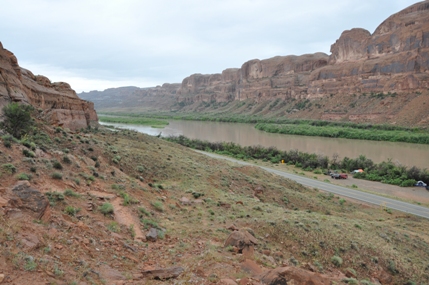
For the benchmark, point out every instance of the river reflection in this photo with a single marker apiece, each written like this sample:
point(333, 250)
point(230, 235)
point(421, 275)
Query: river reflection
point(246, 135)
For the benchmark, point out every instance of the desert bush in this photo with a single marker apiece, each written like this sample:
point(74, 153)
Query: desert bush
point(57, 175)
point(71, 211)
point(28, 153)
point(24, 176)
point(71, 193)
point(148, 223)
point(54, 197)
point(158, 206)
point(9, 167)
point(113, 227)
point(127, 198)
point(66, 159)
point(57, 165)
point(144, 211)
point(8, 140)
point(336, 260)
point(106, 208)
point(18, 119)
point(118, 187)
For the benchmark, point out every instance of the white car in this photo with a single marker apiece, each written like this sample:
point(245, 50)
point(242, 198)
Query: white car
point(420, 184)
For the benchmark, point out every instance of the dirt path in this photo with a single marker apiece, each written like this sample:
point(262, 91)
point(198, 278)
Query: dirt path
point(124, 216)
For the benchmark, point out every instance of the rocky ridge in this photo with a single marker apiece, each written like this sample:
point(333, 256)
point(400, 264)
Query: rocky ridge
point(395, 58)
point(56, 102)
point(381, 77)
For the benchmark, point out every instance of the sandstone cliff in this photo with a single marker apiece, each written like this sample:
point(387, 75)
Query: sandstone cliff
point(395, 58)
point(57, 102)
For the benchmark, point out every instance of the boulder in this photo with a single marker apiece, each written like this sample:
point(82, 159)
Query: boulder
point(241, 239)
point(27, 198)
point(294, 275)
point(152, 235)
point(164, 273)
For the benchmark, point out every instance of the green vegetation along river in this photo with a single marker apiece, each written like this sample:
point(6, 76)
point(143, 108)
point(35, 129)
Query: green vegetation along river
point(406, 154)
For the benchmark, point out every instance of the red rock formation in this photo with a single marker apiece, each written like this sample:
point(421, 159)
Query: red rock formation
point(58, 102)
point(395, 58)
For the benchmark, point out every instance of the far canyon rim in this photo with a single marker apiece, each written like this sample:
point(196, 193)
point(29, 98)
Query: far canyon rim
point(390, 66)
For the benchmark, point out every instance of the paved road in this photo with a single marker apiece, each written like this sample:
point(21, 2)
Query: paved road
point(339, 190)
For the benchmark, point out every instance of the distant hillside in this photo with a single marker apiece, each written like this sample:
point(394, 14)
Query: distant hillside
point(160, 97)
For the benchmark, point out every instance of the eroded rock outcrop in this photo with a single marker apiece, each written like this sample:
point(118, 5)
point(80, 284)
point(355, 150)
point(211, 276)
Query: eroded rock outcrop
point(57, 102)
point(395, 58)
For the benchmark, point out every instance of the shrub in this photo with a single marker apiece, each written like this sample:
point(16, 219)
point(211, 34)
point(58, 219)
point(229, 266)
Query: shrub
point(54, 197)
point(391, 266)
point(127, 198)
point(30, 265)
point(144, 211)
point(57, 165)
point(9, 167)
point(57, 175)
point(408, 183)
point(28, 153)
point(7, 140)
point(113, 227)
point(158, 206)
point(24, 176)
point(149, 223)
point(66, 159)
point(118, 187)
point(18, 119)
point(71, 211)
point(140, 168)
point(336, 260)
point(71, 193)
point(106, 208)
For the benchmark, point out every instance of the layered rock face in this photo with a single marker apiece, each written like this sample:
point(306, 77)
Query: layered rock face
point(58, 103)
point(395, 58)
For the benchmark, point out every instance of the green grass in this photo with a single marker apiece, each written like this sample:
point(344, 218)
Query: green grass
point(155, 123)
point(106, 209)
point(375, 133)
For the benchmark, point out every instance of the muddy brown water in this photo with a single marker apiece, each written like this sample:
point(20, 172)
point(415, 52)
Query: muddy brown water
point(246, 135)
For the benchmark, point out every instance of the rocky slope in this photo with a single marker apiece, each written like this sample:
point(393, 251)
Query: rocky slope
point(118, 207)
point(57, 102)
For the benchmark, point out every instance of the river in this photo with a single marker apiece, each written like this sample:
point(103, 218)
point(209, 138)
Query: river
point(246, 135)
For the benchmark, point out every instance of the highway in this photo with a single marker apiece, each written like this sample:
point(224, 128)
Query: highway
point(339, 190)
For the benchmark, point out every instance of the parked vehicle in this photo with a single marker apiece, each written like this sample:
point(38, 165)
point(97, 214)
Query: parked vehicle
point(335, 175)
point(343, 176)
point(339, 176)
point(427, 187)
point(357, 171)
point(420, 184)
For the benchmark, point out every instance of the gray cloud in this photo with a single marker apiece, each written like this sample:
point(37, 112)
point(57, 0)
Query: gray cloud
point(95, 44)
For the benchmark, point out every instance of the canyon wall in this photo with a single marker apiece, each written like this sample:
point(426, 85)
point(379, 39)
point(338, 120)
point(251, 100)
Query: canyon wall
point(395, 58)
point(56, 102)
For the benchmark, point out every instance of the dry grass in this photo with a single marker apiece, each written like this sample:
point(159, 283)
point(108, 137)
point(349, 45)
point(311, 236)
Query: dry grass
point(308, 226)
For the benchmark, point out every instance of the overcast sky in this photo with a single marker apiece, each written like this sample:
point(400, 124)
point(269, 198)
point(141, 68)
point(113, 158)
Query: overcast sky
point(99, 44)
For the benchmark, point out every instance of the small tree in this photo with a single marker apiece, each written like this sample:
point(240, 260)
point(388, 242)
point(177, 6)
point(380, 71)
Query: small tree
point(18, 119)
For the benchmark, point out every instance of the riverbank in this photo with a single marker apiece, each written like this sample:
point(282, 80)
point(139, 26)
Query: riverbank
point(360, 132)
point(321, 128)
point(385, 172)
point(123, 119)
